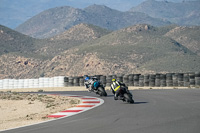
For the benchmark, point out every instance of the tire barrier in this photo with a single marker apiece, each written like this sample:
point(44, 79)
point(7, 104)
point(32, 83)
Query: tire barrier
point(146, 80)
point(81, 80)
point(169, 80)
point(152, 79)
point(136, 79)
point(175, 79)
point(119, 78)
point(1, 84)
point(70, 81)
point(33, 83)
point(130, 80)
point(108, 80)
point(76, 81)
point(157, 80)
point(180, 79)
point(103, 80)
point(141, 81)
point(125, 79)
point(191, 79)
point(186, 79)
point(197, 78)
point(163, 82)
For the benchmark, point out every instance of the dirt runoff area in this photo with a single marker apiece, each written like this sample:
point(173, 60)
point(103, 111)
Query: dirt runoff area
point(20, 109)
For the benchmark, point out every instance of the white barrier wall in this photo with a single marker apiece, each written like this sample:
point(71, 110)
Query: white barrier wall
point(32, 83)
point(1, 84)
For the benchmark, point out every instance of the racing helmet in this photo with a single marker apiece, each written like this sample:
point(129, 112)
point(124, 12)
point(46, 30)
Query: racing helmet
point(113, 80)
point(87, 78)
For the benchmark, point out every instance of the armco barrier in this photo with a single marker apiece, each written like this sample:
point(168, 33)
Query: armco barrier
point(147, 80)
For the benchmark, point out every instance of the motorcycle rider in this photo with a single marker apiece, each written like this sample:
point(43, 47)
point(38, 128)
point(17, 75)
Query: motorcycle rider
point(89, 82)
point(115, 87)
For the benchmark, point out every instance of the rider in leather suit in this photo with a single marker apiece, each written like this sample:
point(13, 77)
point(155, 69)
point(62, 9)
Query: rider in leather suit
point(115, 87)
point(89, 82)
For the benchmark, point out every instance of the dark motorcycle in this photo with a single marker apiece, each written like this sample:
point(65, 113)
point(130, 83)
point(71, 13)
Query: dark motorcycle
point(125, 95)
point(99, 88)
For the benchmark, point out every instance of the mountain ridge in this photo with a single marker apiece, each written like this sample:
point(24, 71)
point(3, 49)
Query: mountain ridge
point(55, 21)
point(183, 13)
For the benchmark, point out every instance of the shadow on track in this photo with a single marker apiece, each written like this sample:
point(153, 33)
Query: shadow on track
point(140, 102)
point(110, 96)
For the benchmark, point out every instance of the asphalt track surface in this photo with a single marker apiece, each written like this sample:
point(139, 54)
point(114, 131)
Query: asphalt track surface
point(154, 111)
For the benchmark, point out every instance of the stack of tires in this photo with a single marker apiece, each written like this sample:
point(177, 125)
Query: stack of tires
point(108, 80)
point(125, 79)
point(157, 80)
point(146, 80)
point(11, 84)
point(59, 80)
point(76, 81)
point(175, 79)
point(120, 77)
point(163, 82)
point(81, 81)
point(51, 82)
point(152, 78)
point(1, 84)
point(136, 79)
point(70, 81)
point(36, 83)
point(186, 79)
point(130, 80)
point(66, 80)
point(21, 84)
point(197, 79)
point(180, 79)
point(169, 79)
point(31, 83)
point(142, 81)
point(192, 79)
point(103, 80)
point(5, 83)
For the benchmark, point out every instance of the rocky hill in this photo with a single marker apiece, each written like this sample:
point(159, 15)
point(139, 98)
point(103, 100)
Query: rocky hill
point(140, 48)
point(12, 41)
point(135, 49)
point(187, 36)
point(184, 13)
point(73, 37)
point(55, 21)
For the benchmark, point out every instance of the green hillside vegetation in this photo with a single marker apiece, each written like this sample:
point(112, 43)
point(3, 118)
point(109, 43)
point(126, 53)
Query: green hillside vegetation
point(12, 41)
point(88, 49)
point(149, 49)
point(15, 43)
point(75, 36)
point(187, 36)
point(174, 63)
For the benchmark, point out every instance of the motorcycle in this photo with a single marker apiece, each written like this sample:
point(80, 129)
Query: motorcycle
point(125, 95)
point(99, 89)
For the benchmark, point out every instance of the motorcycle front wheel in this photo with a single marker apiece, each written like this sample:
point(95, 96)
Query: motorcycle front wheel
point(128, 98)
point(102, 91)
